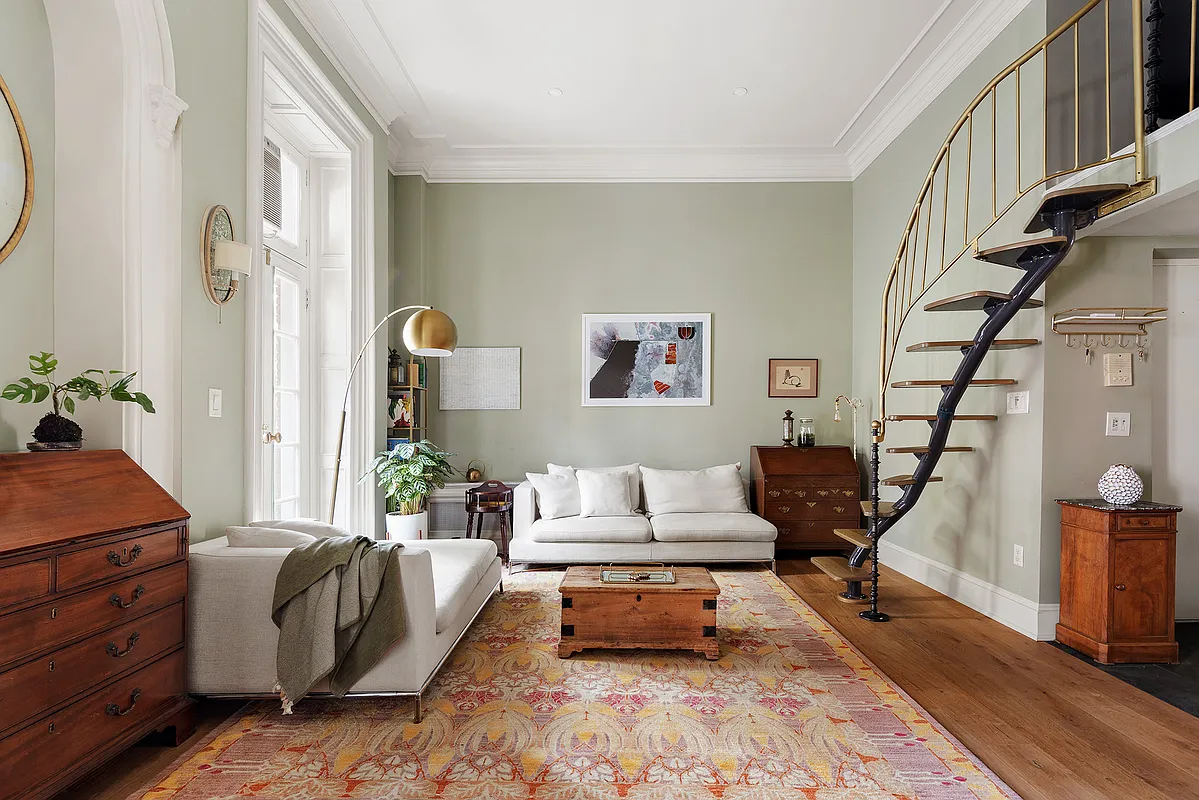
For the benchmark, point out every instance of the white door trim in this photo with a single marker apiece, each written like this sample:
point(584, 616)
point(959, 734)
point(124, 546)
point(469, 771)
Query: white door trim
point(270, 39)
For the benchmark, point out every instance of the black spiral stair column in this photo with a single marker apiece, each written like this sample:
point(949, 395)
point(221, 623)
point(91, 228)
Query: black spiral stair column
point(873, 614)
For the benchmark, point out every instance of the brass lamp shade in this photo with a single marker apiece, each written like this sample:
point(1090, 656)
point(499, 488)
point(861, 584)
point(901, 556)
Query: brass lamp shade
point(430, 333)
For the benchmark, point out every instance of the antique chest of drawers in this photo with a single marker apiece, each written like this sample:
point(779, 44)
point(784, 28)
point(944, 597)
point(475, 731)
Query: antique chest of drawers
point(806, 492)
point(93, 586)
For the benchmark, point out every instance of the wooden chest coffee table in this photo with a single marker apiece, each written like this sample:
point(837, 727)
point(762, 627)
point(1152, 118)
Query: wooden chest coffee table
point(675, 616)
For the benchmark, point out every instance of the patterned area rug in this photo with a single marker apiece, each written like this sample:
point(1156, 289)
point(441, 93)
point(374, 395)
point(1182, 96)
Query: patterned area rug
point(789, 711)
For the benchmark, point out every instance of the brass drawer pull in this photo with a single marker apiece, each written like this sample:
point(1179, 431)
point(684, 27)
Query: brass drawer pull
point(812, 504)
point(784, 531)
point(849, 492)
point(800, 494)
point(775, 492)
point(116, 601)
point(1120, 587)
point(112, 649)
point(113, 710)
point(784, 509)
point(822, 492)
point(118, 560)
point(839, 509)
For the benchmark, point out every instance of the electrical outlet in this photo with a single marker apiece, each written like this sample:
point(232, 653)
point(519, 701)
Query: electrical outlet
point(214, 402)
point(1018, 556)
point(1118, 423)
point(1017, 402)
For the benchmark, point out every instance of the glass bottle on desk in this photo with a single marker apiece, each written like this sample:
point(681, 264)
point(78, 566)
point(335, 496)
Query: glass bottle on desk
point(806, 432)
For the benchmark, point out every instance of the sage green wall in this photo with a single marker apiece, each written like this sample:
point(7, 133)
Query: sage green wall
point(210, 43)
point(27, 275)
point(517, 265)
point(990, 499)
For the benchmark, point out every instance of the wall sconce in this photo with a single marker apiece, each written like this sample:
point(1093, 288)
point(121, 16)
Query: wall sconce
point(222, 257)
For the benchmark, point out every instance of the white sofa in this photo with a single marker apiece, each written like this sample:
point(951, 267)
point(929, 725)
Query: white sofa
point(673, 538)
point(232, 640)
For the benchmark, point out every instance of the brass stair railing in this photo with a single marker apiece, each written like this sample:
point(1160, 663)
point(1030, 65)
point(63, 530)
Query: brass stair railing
point(926, 240)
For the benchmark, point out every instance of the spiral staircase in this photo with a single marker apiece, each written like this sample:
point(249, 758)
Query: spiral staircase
point(927, 251)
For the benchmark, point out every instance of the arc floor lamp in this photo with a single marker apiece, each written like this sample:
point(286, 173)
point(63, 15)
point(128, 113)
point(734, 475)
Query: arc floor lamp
point(428, 332)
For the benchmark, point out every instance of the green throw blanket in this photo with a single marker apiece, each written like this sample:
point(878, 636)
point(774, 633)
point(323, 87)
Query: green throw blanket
point(339, 608)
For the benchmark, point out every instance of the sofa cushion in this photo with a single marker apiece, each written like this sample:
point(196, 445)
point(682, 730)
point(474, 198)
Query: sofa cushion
point(603, 494)
point(632, 473)
point(258, 536)
point(715, 489)
point(458, 566)
point(693, 527)
point(634, 529)
point(557, 493)
point(311, 527)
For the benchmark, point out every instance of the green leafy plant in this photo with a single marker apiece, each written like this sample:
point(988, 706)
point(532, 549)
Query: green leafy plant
point(408, 473)
point(97, 383)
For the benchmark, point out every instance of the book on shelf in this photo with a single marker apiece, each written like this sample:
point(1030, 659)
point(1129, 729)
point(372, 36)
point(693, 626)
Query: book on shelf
point(395, 441)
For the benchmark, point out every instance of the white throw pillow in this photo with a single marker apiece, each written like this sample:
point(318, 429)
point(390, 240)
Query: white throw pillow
point(631, 471)
point(603, 494)
point(557, 495)
point(312, 527)
point(257, 536)
point(711, 490)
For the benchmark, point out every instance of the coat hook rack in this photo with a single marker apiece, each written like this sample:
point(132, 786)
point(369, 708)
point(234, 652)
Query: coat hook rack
point(1107, 327)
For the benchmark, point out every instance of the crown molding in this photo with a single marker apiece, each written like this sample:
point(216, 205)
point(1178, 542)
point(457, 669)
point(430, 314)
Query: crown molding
point(966, 42)
point(524, 165)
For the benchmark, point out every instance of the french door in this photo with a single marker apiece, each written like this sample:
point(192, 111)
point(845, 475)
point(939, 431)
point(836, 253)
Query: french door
point(290, 440)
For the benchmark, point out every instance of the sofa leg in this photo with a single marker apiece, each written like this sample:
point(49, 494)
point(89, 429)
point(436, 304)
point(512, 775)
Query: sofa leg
point(773, 566)
point(416, 710)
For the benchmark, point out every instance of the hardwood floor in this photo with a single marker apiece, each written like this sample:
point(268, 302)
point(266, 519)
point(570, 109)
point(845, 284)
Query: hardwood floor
point(1050, 725)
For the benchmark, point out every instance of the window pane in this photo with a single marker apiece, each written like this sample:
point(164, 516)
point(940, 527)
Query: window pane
point(292, 186)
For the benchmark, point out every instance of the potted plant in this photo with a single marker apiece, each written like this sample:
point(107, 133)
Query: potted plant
point(408, 473)
point(55, 431)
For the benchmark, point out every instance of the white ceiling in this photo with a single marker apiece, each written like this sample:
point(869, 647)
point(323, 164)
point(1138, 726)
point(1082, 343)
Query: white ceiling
point(647, 86)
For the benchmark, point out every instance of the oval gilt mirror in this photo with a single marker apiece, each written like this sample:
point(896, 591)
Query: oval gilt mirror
point(16, 174)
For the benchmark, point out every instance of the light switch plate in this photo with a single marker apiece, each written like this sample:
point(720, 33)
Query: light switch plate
point(1017, 402)
point(1117, 369)
point(1118, 423)
point(214, 402)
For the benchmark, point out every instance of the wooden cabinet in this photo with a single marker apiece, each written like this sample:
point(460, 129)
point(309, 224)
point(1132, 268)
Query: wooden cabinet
point(806, 492)
point(1118, 581)
point(93, 592)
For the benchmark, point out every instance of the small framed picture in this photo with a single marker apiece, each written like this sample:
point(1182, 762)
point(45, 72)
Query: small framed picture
point(794, 377)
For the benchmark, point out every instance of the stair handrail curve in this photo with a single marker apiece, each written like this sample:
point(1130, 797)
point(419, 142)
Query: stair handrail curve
point(900, 293)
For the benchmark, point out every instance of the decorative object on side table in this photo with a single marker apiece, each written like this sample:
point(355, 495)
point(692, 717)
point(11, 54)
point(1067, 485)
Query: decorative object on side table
point(491, 497)
point(788, 429)
point(55, 431)
point(222, 257)
point(1118, 580)
point(1121, 485)
point(647, 359)
point(16, 165)
point(806, 493)
point(794, 377)
point(408, 474)
point(806, 433)
point(475, 470)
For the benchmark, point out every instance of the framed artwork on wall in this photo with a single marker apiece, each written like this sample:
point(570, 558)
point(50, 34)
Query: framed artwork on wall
point(647, 359)
point(794, 377)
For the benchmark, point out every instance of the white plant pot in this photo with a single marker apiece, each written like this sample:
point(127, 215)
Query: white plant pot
point(407, 526)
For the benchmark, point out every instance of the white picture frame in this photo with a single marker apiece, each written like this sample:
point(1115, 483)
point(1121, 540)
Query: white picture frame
point(679, 360)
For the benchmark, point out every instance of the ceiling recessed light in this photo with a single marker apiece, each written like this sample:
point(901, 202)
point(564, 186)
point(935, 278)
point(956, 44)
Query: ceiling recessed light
point(740, 91)
point(554, 92)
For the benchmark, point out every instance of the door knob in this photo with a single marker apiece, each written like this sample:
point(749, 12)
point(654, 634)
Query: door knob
point(1120, 587)
point(276, 437)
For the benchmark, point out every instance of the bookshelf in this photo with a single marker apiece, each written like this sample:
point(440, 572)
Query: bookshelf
point(407, 400)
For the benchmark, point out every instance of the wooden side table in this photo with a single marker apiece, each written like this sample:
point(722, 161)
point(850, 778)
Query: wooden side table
point(1118, 581)
point(490, 497)
point(806, 492)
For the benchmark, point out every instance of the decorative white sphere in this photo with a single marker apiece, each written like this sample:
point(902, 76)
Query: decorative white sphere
point(1120, 485)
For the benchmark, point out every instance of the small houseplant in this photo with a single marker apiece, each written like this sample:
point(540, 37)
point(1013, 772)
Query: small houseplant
point(56, 431)
point(408, 473)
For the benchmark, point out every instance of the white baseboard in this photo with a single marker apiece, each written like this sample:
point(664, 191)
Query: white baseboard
point(1025, 616)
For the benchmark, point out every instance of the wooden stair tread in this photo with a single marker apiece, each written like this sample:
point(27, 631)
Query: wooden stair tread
point(839, 570)
point(1077, 198)
point(974, 301)
point(855, 536)
point(885, 509)
point(907, 480)
point(933, 417)
point(924, 449)
point(1010, 255)
point(957, 344)
point(949, 382)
